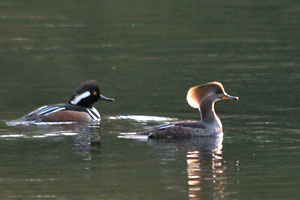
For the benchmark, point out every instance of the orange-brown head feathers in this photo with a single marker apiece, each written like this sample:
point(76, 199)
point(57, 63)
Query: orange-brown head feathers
point(213, 90)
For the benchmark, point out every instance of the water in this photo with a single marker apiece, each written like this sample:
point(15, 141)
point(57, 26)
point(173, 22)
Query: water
point(146, 55)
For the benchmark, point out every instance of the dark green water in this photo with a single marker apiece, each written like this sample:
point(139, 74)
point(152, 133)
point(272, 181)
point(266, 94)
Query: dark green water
point(146, 54)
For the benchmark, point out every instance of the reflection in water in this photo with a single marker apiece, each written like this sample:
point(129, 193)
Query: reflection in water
point(205, 165)
point(84, 140)
point(49, 156)
point(83, 135)
point(205, 169)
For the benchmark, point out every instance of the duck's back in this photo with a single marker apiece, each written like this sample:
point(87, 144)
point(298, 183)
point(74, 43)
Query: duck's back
point(60, 112)
point(182, 129)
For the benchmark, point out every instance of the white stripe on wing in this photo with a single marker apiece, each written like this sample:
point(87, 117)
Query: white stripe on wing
point(53, 111)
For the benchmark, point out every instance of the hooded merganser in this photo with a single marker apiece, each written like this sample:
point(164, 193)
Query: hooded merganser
point(202, 97)
point(78, 109)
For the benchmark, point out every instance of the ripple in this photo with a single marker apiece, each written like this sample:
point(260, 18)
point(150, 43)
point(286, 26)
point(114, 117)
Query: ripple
point(143, 118)
point(12, 136)
point(16, 123)
point(46, 135)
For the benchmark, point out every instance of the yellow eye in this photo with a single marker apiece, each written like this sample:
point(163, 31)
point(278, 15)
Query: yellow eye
point(94, 93)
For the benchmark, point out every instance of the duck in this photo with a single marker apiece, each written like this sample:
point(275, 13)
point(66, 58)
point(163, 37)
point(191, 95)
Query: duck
point(203, 98)
point(78, 109)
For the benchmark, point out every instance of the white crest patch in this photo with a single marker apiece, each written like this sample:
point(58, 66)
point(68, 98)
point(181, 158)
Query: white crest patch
point(79, 97)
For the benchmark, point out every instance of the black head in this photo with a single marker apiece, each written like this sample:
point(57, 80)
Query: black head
point(87, 94)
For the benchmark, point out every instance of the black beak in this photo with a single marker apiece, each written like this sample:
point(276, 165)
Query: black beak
point(103, 98)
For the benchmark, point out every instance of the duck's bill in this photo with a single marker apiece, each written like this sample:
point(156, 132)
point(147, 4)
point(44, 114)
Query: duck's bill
point(103, 98)
point(229, 97)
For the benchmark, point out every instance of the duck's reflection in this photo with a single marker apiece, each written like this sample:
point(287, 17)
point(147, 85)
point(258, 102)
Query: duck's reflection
point(206, 171)
point(59, 145)
point(83, 135)
point(84, 143)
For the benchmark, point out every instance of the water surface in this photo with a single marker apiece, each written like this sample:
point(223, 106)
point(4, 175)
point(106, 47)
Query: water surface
point(146, 55)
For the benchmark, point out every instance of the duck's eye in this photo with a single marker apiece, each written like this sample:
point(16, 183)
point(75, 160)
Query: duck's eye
point(219, 91)
point(94, 93)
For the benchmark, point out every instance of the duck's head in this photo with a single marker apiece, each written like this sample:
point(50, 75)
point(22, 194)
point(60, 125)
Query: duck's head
point(212, 91)
point(87, 94)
